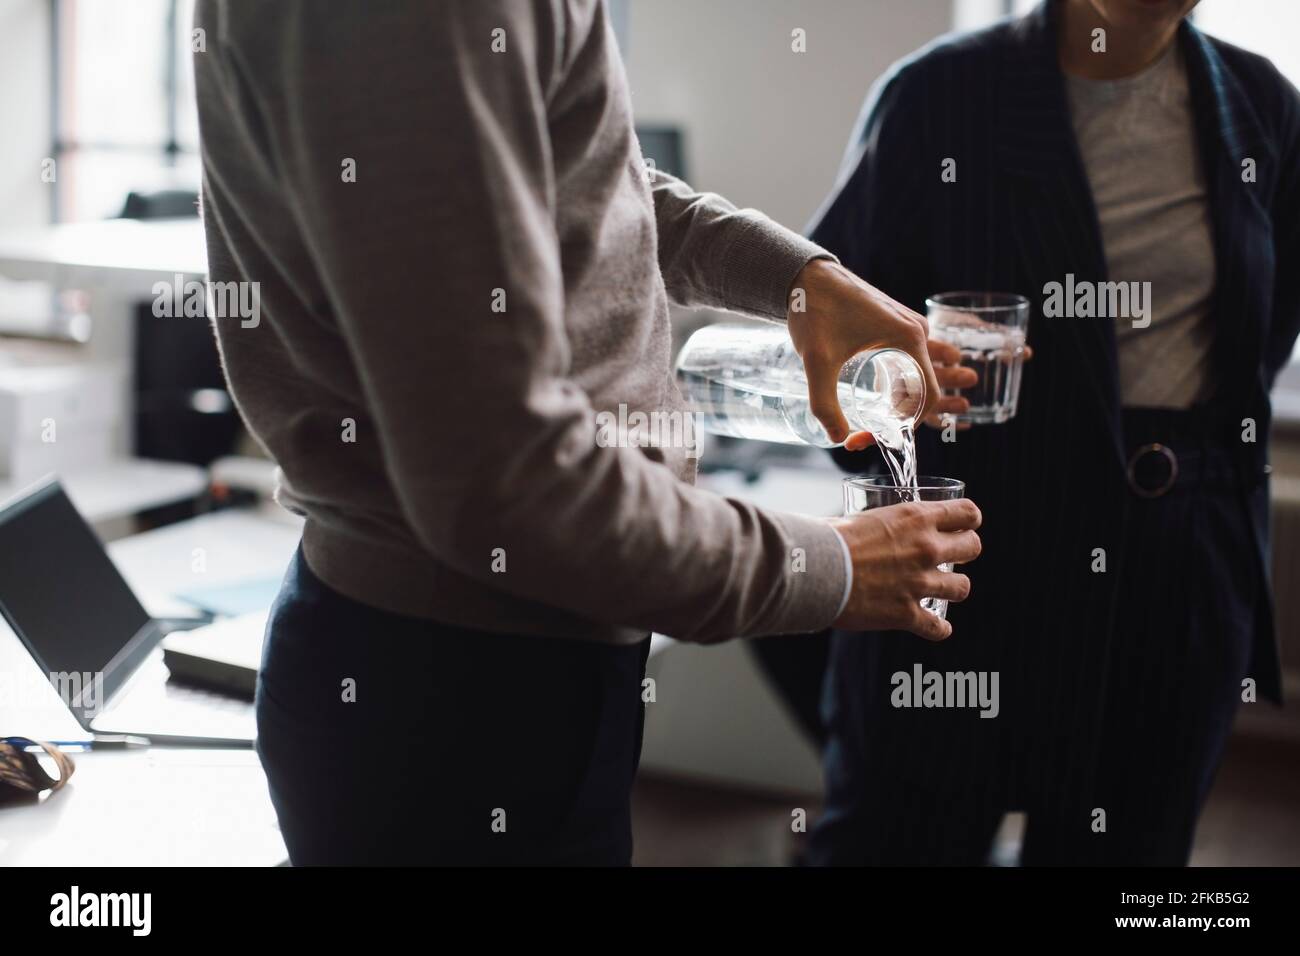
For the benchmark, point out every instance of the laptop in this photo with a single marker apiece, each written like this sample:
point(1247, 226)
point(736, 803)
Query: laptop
point(90, 636)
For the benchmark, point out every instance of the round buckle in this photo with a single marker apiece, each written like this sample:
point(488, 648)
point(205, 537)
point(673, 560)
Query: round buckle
point(1157, 449)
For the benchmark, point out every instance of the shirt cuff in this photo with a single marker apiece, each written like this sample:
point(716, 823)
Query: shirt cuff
point(848, 574)
point(812, 586)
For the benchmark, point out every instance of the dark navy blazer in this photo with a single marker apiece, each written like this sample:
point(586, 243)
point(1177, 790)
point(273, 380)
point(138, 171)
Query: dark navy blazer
point(1021, 214)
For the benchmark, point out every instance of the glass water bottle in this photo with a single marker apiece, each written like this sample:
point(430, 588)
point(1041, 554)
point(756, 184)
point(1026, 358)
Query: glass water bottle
point(747, 381)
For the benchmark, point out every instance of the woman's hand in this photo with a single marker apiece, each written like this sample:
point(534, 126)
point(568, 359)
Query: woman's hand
point(951, 375)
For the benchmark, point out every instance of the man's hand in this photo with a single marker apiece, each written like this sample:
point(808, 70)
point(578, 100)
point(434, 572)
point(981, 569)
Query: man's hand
point(838, 316)
point(896, 553)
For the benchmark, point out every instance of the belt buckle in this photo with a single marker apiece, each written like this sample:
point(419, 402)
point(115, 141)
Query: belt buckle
point(1153, 448)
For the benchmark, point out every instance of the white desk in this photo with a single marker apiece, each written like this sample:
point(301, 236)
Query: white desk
point(124, 487)
point(117, 263)
point(233, 545)
point(163, 807)
point(125, 256)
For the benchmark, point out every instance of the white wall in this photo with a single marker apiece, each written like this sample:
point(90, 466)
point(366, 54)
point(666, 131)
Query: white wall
point(24, 111)
point(764, 126)
point(974, 14)
point(1270, 27)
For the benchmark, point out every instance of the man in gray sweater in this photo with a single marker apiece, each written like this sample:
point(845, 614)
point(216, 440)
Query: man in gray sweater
point(461, 260)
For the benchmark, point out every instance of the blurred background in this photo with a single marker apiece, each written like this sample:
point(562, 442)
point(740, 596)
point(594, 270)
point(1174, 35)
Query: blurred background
point(99, 172)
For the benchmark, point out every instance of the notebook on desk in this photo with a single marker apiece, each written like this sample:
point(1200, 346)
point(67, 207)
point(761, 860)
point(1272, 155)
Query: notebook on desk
point(223, 656)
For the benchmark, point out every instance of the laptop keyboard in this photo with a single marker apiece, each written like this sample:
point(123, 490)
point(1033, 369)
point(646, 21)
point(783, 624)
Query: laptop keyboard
point(154, 705)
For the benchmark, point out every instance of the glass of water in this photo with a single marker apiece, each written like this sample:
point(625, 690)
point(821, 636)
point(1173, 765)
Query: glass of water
point(990, 329)
point(861, 494)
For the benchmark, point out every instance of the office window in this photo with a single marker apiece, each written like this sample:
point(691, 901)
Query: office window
point(123, 103)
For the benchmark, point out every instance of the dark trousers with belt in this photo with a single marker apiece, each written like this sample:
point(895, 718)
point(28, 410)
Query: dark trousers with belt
point(1113, 770)
point(393, 740)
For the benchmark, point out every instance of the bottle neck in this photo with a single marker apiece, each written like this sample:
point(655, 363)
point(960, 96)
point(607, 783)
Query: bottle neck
point(885, 388)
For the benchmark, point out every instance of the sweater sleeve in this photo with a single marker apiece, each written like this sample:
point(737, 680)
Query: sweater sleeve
point(715, 255)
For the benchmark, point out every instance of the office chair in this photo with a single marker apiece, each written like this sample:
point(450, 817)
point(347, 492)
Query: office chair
point(182, 409)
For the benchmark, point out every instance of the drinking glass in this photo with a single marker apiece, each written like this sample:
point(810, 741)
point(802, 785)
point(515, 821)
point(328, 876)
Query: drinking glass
point(990, 329)
point(863, 493)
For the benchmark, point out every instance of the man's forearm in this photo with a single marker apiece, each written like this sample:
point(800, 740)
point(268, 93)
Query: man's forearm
point(715, 255)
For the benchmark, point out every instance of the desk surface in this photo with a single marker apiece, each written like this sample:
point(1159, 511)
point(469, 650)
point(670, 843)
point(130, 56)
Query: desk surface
point(124, 487)
point(128, 255)
point(223, 547)
point(163, 807)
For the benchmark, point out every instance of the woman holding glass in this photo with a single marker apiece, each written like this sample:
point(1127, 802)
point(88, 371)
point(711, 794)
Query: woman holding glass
point(1122, 595)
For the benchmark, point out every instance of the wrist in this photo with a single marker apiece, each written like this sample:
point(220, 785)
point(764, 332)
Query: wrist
point(814, 273)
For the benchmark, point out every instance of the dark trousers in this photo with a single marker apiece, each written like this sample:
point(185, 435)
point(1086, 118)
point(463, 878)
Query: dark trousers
point(393, 740)
point(1107, 738)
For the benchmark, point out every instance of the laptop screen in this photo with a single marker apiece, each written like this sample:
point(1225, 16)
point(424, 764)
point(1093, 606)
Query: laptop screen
point(65, 599)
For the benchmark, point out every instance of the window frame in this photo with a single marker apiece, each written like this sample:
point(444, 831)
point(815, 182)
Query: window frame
point(169, 150)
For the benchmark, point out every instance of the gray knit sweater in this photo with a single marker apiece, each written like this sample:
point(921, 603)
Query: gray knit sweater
point(461, 261)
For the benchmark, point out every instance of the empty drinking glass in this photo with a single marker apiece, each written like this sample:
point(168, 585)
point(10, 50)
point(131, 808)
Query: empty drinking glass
point(990, 330)
point(861, 494)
